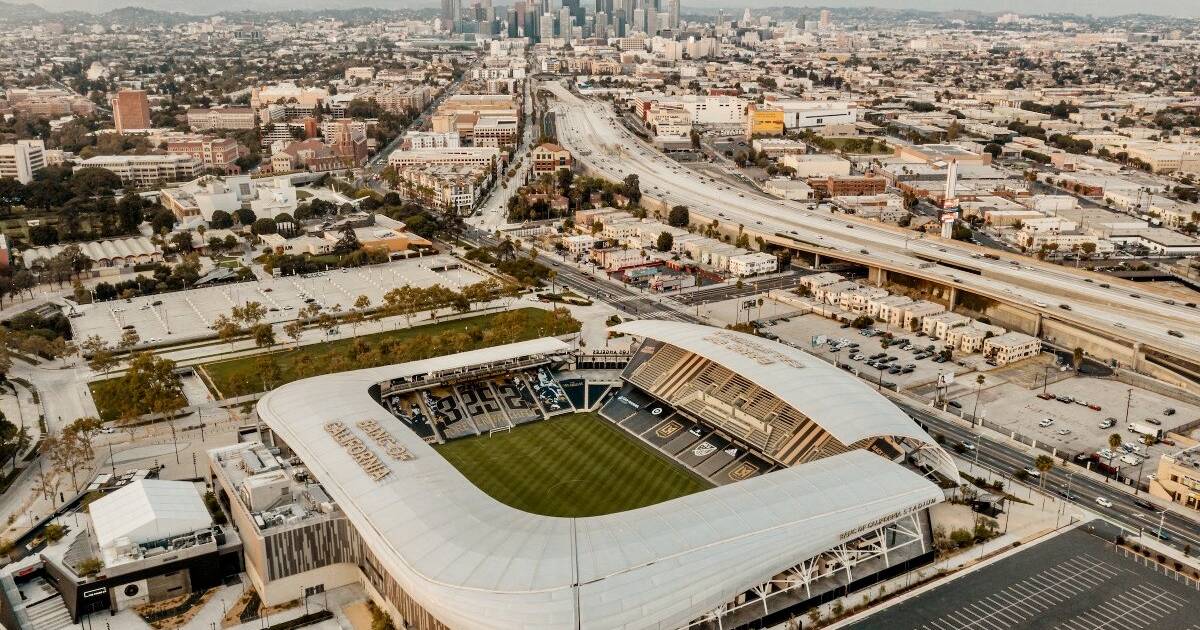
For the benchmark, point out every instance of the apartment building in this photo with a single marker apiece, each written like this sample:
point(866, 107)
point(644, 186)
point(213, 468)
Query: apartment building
point(446, 186)
point(131, 110)
point(144, 171)
point(22, 159)
point(549, 158)
point(1178, 478)
point(200, 119)
point(219, 154)
point(49, 102)
point(1011, 346)
point(494, 131)
point(752, 264)
point(429, 140)
point(669, 121)
point(852, 186)
point(310, 155)
point(799, 114)
point(481, 156)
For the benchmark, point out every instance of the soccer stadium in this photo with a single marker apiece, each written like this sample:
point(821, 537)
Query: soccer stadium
point(705, 479)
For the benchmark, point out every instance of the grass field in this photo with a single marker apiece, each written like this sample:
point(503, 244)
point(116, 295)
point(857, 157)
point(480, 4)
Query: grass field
point(572, 465)
point(236, 377)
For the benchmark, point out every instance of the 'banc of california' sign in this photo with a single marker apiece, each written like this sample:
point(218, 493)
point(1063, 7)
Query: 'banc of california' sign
point(394, 449)
point(357, 449)
point(748, 348)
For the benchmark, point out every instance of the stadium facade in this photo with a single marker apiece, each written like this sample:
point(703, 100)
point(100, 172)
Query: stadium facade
point(345, 487)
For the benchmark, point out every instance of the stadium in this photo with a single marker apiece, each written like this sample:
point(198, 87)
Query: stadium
point(705, 479)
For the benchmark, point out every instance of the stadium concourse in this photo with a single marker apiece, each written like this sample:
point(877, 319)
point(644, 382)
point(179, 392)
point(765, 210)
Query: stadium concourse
point(820, 486)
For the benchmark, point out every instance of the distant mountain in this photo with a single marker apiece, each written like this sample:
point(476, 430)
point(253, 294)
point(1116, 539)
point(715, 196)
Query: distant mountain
point(21, 12)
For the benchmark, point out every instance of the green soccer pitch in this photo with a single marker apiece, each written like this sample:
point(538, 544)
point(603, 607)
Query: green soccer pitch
point(571, 465)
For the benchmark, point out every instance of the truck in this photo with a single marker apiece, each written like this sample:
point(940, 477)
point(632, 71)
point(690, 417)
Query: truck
point(1145, 429)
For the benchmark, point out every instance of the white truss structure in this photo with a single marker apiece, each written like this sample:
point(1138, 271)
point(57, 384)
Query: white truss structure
point(843, 558)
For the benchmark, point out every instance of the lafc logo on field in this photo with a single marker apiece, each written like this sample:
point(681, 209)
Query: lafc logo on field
point(668, 429)
point(743, 471)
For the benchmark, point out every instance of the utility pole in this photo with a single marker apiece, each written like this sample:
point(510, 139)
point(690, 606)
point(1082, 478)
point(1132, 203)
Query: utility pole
point(1128, 401)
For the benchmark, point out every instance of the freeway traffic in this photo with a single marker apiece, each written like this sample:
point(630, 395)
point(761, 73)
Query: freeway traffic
point(590, 131)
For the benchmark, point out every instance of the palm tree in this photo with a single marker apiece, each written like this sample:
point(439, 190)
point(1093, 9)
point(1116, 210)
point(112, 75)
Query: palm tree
point(979, 379)
point(1043, 463)
point(1114, 441)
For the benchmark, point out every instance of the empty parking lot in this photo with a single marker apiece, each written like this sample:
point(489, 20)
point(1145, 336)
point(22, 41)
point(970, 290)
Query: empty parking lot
point(190, 314)
point(1072, 582)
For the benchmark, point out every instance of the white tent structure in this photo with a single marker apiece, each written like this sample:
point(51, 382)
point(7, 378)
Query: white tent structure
point(148, 510)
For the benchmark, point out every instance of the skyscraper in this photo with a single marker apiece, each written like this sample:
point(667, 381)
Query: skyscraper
point(673, 14)
point(131, 110)
point(825, 18)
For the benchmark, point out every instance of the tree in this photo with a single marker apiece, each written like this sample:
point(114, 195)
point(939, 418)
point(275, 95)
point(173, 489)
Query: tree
point(979, 380)
point(1114, 442)
point(250, 313)
point(221, 220)
point(263, 226)
point(348, 242)
point(1043, 463)
point(245, 216)
point(678, 217)
point(264, 335)
point(632, 188)
point(102, 357)
point(226, 328)
point(1077, 358)
point(294, 330)
point(150, 385)
point(665, 241)
point(93, 181)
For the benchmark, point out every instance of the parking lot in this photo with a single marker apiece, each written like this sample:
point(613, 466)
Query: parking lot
point(800, 331)
point(183, 315)
point(1074, 581)
point(1019, 409)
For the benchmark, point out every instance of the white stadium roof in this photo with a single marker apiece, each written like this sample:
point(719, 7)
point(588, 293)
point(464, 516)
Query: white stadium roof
point(474, 562)
point(847, 408)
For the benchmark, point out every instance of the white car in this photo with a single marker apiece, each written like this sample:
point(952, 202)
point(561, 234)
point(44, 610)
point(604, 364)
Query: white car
point(107, 430)
point(1102, 502)
point(1045, 423)
point(1064, 431)
point(1032, 472)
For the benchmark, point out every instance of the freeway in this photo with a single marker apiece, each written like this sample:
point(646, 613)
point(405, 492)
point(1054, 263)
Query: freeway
point(596, 139)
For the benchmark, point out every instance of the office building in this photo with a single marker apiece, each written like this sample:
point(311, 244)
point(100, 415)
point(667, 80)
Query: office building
point(22, 159)
point(131, 110)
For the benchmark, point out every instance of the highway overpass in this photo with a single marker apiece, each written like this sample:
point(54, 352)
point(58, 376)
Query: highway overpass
point(1120, 321)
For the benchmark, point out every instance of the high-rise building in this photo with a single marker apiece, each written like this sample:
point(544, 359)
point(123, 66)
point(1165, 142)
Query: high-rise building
point(673, 14)
point(600, 28)
point(565, 22)
point(639, 21)
point(131, 110)
point(451, 13)
point(825, 18)
point(21, 160)
point(651, 19)
point(546, 27)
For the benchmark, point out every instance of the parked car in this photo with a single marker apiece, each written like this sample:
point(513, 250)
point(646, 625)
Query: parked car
point(1046, 422)
point(1046, 396)
point(1169, 411)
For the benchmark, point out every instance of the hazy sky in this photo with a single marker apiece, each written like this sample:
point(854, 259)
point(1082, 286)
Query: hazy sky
point(1186, 8)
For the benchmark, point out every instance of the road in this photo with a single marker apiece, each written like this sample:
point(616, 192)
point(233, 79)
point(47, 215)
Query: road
point(1002, 458)
point(596, 139)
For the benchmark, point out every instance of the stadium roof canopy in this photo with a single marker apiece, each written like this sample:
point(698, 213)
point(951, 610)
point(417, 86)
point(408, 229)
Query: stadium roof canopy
point(843, 405)
point(474, 562)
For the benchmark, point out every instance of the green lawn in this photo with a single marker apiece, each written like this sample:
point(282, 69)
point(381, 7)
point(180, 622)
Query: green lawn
point(248, 375)
point(572, 465)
